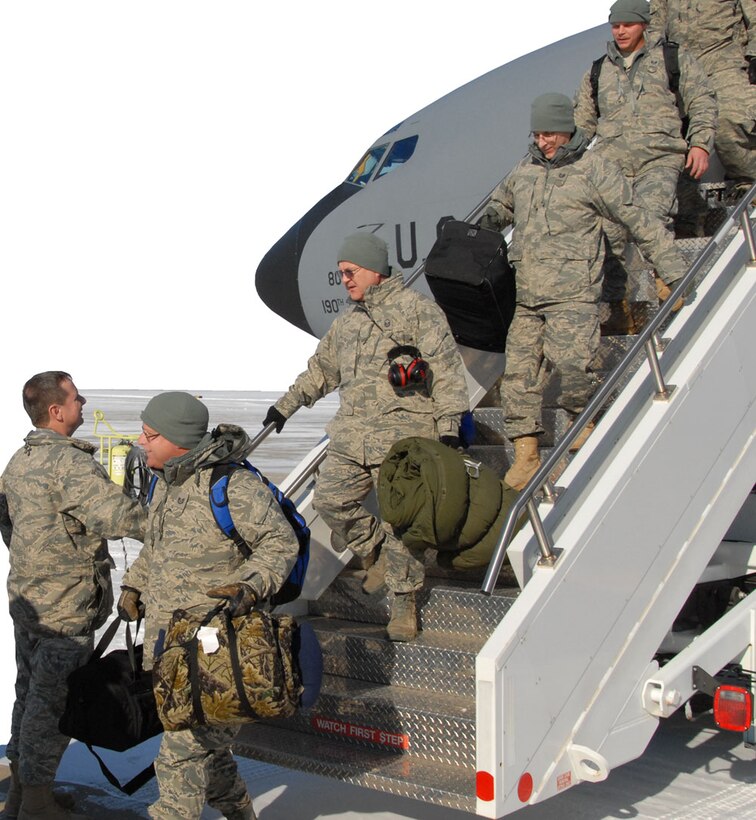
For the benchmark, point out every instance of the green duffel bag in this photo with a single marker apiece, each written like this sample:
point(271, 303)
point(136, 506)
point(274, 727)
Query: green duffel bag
point(423, 493)
point(438, 498)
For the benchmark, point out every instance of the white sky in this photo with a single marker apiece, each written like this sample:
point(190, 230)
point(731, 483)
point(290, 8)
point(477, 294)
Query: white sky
point(152, 152)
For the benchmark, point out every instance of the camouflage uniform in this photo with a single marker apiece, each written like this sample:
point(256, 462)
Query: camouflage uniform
point(718, 34)
point(184, 555)
point(639, 127)
point(60, 506)
point(557, 207)
point(373, 414)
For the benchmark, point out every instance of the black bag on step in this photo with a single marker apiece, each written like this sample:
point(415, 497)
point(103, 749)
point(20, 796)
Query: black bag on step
point(473, 283)
point(111, 703)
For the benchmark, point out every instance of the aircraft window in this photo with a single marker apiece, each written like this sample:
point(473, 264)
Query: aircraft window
point(400, 152)
point(365, 167)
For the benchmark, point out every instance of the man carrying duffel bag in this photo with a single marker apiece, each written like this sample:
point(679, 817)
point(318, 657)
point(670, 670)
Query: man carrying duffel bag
point(186, 562)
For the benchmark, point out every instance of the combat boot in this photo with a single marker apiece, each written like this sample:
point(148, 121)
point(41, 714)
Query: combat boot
point(582, 437)
point(247, 813)
point(526, 463)
point(39, 803)
point(375, 578)
point(620, 321)
point(663, 291)
point(403, 623)
point(15, 793)
point(13, 798)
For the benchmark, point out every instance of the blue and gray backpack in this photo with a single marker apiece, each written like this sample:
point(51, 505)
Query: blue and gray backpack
point(292, 586)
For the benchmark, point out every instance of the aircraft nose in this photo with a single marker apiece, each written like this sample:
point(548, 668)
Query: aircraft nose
point(277, 276)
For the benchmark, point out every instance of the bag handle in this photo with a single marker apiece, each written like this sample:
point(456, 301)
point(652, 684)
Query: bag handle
point(134, 784)
point(107, 637)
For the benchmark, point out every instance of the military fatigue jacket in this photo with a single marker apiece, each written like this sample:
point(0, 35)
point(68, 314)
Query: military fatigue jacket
point(353, 357)
point(719, 33)
point(639, 119)
point(185, 553)
point(61, 505)
point(557, 208)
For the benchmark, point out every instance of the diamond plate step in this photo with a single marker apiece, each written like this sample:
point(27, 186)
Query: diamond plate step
point(434, 726)
point(436, 661)
point(444, 785)
point(444, 605)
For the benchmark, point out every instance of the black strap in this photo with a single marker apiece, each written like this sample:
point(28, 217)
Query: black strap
point(134, 784)
point(191, 648)
point(233, 649)
point(595, 73)
point(403, 350)
point(107, 637)
point(672, 64)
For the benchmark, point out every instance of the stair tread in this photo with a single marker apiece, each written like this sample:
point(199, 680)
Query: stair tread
point(402, 697)
point(444, 784)
point(458, 642)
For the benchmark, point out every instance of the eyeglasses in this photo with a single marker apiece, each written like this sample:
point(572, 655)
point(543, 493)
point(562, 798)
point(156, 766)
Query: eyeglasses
point(349, 274)
point(149, 436)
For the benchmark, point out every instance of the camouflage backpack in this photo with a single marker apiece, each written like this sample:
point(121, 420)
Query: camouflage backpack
point(218, 670)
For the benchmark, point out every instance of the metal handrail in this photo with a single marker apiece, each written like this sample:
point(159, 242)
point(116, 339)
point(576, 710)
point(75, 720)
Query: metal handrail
point(304, 474)
point(647, 339)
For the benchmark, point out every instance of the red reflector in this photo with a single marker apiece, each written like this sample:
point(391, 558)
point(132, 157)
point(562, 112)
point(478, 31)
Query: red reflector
point(484, 786)
point(525, 788)
point(733, 708)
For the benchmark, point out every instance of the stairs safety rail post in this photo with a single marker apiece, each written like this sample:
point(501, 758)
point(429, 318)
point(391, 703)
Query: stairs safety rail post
point(645, 339)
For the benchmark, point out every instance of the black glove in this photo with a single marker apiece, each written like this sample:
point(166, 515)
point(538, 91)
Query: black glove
point(130, 608)
point(451, 441)
point(241, 598)
point(490, 220)
point(274, 417)
point(752, 70)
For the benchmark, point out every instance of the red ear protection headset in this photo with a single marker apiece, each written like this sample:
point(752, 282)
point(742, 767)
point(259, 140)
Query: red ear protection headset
point(415, 372)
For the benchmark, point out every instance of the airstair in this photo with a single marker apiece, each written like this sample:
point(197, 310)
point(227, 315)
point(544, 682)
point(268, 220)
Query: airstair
point(550, 673)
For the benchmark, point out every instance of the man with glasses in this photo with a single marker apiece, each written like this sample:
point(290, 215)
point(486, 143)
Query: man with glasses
point(187, 561)
point(57, 507)
point(398, 371)
point(558, 198)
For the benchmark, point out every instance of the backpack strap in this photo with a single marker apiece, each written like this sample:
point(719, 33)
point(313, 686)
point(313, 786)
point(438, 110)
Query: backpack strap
point(219, 479)
point(151, 489)
point(672, 64)
point(595, 74)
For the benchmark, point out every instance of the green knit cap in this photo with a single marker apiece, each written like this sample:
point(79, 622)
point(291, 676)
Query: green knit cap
point(630, 11)
point(177, 416)
point(366, 250)
point(552, 112)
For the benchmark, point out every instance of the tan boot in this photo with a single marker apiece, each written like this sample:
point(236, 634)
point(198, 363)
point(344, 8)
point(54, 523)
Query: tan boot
point(582, 437)
point(403, 623)
point(375, 578)
point(15, 792)
point(527, 461)
point(247, 813)
point(39, 803)
point(663, 291)
point(620, 321)
point(13, 798)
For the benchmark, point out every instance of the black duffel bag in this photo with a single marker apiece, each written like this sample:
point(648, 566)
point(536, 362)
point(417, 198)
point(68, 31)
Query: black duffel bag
point(111, 704)
point(473, 283)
